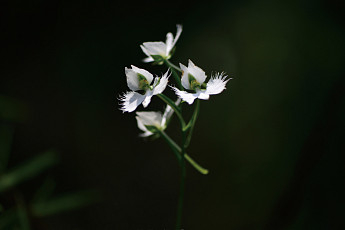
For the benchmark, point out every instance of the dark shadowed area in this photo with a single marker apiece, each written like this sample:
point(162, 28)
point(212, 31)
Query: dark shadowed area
point(272, 141)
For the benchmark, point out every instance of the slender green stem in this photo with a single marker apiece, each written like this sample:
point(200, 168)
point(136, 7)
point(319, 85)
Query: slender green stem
point(173, 66)
point(174, 107)
point(196, 165)
point(175, 74)
point(177, 148)
point(192, 121)
point(172, 144)
point(182, 184)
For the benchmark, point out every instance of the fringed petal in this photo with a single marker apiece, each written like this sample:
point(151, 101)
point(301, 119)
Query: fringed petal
point(185, 96)
point(160, 84)
point(130, 101)
point(216, 84)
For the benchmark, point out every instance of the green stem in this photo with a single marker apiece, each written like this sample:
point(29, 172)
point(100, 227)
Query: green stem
point(171, 143)
point(177, 149)
point(177, 110)
point(182, 184)
point(191, 123)
point(175, 74)
point(173, 66)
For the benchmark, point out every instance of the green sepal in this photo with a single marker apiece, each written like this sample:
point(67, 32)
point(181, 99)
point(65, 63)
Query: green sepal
point(158, 59)
point(152, 128)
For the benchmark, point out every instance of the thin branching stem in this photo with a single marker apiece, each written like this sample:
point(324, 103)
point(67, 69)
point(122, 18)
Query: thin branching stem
point(191, 123)
point(177, 148)
point(177, 110)
point(175, 74)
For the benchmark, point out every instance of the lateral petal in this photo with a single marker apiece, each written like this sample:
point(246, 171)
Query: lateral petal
point(185, 96)
point(147, 99)
point(216, 84)
point(202, 95)
point(130, 101)
point(162, 84)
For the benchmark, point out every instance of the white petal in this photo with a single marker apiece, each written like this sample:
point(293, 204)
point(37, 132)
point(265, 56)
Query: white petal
point(132, 79)
point(184, 79)
point(144, 50)
point(155, 48)
point(130, 101)
point(169, 43)
point(150, 118)
point(190, 63)
point(196, 72)
point(187, 97)
point(148, 59)
point(202, 95)
point(145, 134)
point(148, 96)
point(143, 72)
point(178, 33)
point(163, 82)
point(143, 128)
point(216, 84)
point(140, 124)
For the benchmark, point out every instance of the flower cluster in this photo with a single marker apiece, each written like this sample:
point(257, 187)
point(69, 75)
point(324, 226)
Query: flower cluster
point(191, 87)
point(144, 85)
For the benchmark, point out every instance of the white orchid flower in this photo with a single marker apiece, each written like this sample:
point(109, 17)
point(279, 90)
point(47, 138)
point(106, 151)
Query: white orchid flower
point(193, 78)
point(156, 119)
point(159, 50)
point(140, 80)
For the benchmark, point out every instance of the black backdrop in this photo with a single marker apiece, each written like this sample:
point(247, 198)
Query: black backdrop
point(272, 141)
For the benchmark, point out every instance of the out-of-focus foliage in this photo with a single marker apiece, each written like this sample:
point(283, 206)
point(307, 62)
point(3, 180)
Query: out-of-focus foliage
point(15, 211)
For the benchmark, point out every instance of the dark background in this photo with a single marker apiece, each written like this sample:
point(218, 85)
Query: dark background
point(272, 141)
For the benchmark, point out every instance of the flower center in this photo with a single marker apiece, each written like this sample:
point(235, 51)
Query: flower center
point(143, 83)
point(194, 84)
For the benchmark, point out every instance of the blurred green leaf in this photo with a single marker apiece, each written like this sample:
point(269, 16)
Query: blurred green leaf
point(28, 170)
point(64, 203)
point(22, 213)
point(12, 110)
point(8, 219)
point(45, 191)
point(6, 135)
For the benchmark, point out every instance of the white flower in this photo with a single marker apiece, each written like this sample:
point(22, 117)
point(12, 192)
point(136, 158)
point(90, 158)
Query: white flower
point(140, 80)
point(193, 78)
point(147, 119)
point(161, 49)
